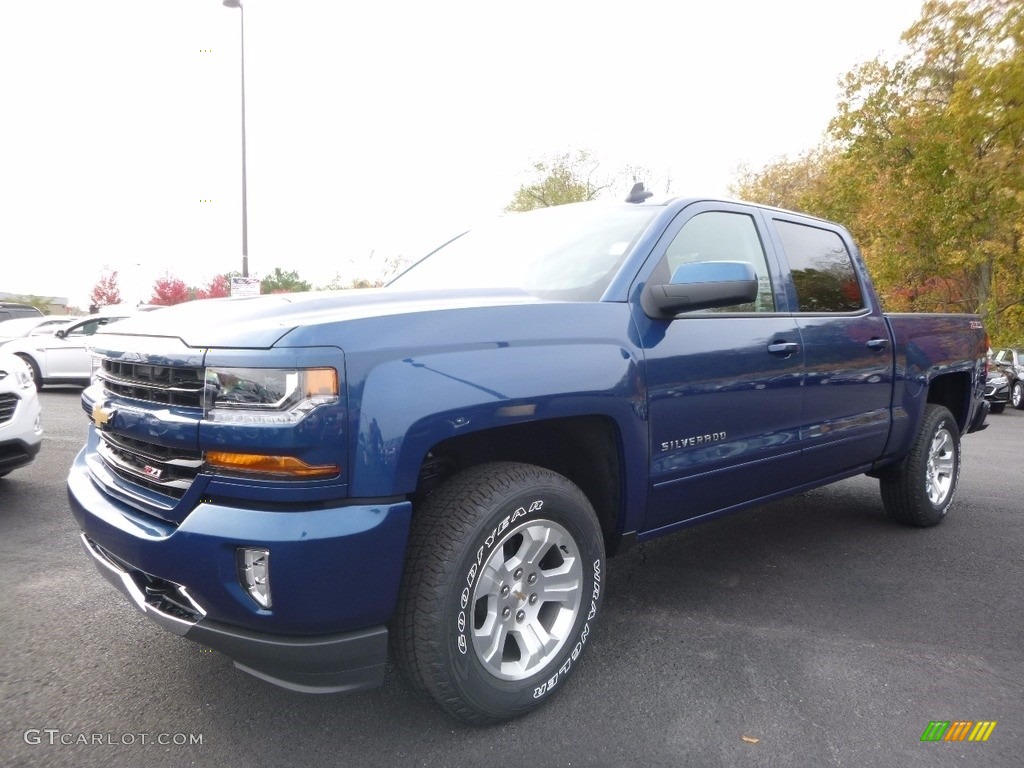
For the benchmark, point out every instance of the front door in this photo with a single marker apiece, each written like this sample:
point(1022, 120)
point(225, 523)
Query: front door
point(724, 385)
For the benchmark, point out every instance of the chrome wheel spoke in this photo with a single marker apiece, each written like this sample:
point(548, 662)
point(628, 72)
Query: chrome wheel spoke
point(536, 542)
point(560, 585)
point(490, 644)
point(489, 581)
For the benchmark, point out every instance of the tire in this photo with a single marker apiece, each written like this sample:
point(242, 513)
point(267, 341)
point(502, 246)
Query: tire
point(1017, 395)
point(996, 407)
point(37, 377)
point(485, 550)
point(920, 490)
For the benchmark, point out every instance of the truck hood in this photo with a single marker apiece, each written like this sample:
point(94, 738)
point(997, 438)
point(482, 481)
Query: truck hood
point(259, 322)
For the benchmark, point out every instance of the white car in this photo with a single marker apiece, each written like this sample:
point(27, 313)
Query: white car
point(33, 326)
point(61, 358)
point(21, 429)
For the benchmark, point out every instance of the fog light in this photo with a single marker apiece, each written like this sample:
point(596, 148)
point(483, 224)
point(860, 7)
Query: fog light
point(254, 574)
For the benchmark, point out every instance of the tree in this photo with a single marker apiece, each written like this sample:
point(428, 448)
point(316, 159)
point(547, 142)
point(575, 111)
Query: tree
point(794, 184)
point(561, 179)
point(390, 267)
point(168, 290)
point(44, 305)
point(283, 282)
point(924, 161)
point(106, 291)
point(218, 287)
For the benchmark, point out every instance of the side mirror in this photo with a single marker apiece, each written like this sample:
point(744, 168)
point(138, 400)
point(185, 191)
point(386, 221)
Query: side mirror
point(60, 333)
point(701, 285)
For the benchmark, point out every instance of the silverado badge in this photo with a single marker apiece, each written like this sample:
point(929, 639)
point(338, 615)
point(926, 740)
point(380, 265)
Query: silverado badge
point(101, 415)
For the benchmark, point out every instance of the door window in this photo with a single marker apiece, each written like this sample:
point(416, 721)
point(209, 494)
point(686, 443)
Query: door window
point(822, 269)
point(723, 236)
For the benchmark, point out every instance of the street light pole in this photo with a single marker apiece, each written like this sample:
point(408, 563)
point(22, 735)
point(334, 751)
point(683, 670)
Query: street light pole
point(245, 212)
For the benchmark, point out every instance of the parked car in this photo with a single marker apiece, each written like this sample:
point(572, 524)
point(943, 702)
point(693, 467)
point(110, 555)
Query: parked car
point(42, 325)
point(61, 358)
point(1010, 362)
point(21, 430)
point(997, 389)
point(10, 310)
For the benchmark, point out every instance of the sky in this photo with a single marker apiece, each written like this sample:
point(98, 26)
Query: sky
point(380, 129)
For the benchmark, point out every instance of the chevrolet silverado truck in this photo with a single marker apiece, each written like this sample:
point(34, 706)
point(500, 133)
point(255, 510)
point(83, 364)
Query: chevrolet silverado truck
point(439, 468)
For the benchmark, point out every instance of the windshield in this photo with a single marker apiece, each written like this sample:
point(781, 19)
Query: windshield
point(568, 252)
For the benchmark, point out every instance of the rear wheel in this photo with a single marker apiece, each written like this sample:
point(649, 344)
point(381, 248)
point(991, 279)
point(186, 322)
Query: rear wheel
point(501, 588)
point(919, 490)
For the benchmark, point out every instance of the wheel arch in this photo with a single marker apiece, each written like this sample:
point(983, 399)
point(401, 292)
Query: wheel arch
point(953, 390)
point(588, 450)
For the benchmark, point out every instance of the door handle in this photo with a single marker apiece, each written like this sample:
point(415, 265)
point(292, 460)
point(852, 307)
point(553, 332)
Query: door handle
point(784, 348)
point(878, 344)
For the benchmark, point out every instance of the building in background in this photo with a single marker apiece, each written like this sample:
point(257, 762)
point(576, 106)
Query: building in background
point(58, 305)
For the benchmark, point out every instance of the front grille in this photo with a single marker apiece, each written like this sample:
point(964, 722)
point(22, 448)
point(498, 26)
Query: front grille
point(162, 384)
point(8, 403)
point(169, 471)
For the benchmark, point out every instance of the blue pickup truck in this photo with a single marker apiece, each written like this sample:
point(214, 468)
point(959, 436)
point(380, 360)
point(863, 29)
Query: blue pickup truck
point(439, 468)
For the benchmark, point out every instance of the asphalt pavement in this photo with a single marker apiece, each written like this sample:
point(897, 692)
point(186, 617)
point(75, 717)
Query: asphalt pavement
point(808, 632)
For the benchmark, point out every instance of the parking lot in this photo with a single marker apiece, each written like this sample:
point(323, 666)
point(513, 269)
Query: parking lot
point(808, 632)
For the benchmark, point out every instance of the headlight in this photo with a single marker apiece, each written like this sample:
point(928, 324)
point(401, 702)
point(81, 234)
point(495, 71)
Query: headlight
point(997, 381)
point(22, 375)
point(267, 395)
point(23, 378)
point(95, 365)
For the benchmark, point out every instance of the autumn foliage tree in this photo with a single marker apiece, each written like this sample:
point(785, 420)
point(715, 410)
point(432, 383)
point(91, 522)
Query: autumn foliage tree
point(168, 290)
point(106, 291)
point(924, 161)
point(218, 288)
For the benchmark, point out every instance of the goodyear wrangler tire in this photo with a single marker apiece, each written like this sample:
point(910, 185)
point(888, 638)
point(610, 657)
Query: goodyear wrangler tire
point(502, 585)
point(919, 490)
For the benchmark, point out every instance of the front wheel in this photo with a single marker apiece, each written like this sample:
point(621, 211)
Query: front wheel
point(502, 585)
point(919, 490)
point(1017, 395)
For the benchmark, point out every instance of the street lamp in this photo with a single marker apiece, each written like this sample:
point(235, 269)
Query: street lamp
point(245, 213)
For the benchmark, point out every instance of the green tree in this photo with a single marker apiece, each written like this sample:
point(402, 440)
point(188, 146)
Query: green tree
point(39, 302)
point(283, 282)
point(564, 178)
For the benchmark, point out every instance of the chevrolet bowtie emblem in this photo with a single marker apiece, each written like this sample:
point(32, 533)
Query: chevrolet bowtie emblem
point(101, 415)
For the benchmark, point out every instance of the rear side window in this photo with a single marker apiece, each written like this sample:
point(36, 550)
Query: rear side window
point(822, 269)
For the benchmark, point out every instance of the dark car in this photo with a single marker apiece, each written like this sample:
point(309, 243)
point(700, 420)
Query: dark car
point(1010, 361)
point(10, 310)
point(997, 389)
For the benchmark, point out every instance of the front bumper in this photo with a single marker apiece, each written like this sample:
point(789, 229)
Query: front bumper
point(21, 437)
point(325, 664)
point(335, 573)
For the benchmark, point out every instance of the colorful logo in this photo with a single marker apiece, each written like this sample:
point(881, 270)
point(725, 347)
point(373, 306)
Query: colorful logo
point(958, 730)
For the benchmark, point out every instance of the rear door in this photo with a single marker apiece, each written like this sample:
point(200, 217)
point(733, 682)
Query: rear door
point(724, 385)
point(847, 349)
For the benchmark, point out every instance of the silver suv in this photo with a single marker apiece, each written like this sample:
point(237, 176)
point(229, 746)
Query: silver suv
point(21, 429)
